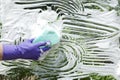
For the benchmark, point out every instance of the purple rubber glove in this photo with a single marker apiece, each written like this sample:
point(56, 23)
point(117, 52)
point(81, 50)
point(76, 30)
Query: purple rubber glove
point(25, 50)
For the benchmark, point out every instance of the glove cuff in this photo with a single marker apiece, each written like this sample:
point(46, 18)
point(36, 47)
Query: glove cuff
point(10, 52)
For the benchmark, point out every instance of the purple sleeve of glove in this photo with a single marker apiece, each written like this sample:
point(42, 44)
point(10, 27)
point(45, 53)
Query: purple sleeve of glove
point(10, 52)
point(25, 50)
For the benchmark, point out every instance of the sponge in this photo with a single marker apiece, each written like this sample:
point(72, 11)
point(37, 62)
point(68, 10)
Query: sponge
point(49, 34)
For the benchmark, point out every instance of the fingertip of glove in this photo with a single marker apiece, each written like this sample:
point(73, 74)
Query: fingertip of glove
point(48, 43)
point(46, 48)
point(31, 40)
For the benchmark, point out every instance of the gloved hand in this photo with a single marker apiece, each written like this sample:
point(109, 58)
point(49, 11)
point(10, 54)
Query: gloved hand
point(25, 50)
